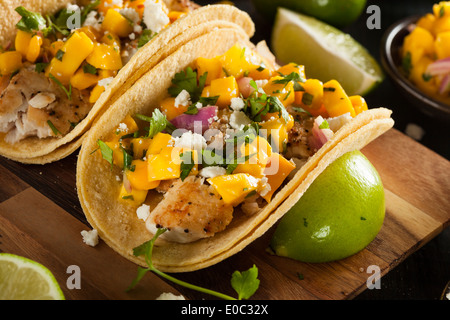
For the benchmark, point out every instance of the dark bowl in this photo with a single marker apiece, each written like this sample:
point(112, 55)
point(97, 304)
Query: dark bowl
point(391, 60)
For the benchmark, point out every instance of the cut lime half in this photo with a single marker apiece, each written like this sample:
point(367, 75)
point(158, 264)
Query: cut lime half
point(25, 279)
point(326, 52)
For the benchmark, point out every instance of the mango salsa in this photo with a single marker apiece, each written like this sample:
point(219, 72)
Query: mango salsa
point(72, 54)
point(234, 187)
point(425, 50)
point(261, 111)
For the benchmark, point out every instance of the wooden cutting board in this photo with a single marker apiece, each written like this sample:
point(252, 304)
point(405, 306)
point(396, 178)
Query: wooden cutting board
point(40, 218)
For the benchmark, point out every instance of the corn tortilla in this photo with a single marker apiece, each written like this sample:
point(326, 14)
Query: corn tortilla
point(198, 22)
point(118, 224)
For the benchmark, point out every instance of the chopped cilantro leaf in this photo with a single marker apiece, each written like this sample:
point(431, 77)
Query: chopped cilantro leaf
point(52, 126)
point(187, 80)
point(107, 152)
point(245, 283)
point(68, 92)
point(158, 122)
point(187, 164)
point(31, 21)
point(145, 37)
point(307, 99)
point(88, 68)
point(324, 125)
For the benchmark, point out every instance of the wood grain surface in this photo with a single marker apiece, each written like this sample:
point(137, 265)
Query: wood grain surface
point(40, 218)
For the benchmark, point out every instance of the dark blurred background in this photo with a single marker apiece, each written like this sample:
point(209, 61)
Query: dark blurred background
point(424, 274)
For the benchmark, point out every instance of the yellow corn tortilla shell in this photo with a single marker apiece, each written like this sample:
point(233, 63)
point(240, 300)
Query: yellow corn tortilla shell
point(117, 222)
point(9, 17)
point(196, 23)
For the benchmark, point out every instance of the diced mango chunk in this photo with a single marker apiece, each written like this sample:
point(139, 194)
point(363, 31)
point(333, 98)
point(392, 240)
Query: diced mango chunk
point(138, 176)
point(256, 155)
point(105, 57)
point(76, 49)
point(34, 48)
point(234, 188)
point(22, 41)
point(312, 96)
point(287, 69)
point(159, 142)
point(277, 130)
point(359, 104)
point(276, 171)
point(116, 23)
point(10, 62)
point(82, 80)
point(283, 91)
point(226, 88)
point(167, 164)
point(212, 66)
point(170, 110)
point(239, 61)
point(135, 197)
point(336, 100)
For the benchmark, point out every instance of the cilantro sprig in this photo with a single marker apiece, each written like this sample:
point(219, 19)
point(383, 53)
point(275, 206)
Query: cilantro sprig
point(106, 151)
point(187, 80)
point(158, 122)
point(244, 283)
point(187, 164)
point(68, 92)
point(31, 21)
point(259, 104)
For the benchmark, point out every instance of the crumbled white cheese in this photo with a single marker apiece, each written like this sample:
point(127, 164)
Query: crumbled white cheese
point(105, 82)
point(112, 3)
point(123, 127)
point(132, 36)
point(90, 237)
point(261, 83)
point(191, 140)
point(137, 28)
point(237, 104)
point(143, 212)
point(238, 120)
point(72, 7)
point(92, 21)
point(414, 131)
point(199, 105)
point(155, 18)
point(337, 122)
point(266, 187)
point(211, 172)
point(182, 99)
point(170, 296)
point(130, 14)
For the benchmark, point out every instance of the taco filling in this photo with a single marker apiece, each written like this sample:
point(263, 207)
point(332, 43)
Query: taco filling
point(59, 65)
point(230, 133)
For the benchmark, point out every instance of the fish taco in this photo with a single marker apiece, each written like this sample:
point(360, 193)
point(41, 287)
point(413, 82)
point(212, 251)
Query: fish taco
point(63, 63)
point(214, 144)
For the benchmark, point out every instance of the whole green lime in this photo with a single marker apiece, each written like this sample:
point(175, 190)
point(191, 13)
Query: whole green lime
point(339, 215)
point(336, 12)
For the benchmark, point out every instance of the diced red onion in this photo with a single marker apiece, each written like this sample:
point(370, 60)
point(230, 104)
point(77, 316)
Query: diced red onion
point(244, 86)
point(127, 184)
point(319, 136)
point(445, 84)
point(439, 67)
point(204, 118)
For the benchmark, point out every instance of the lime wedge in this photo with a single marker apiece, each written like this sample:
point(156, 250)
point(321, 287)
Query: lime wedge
point(24, 279)
point(326, 52)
